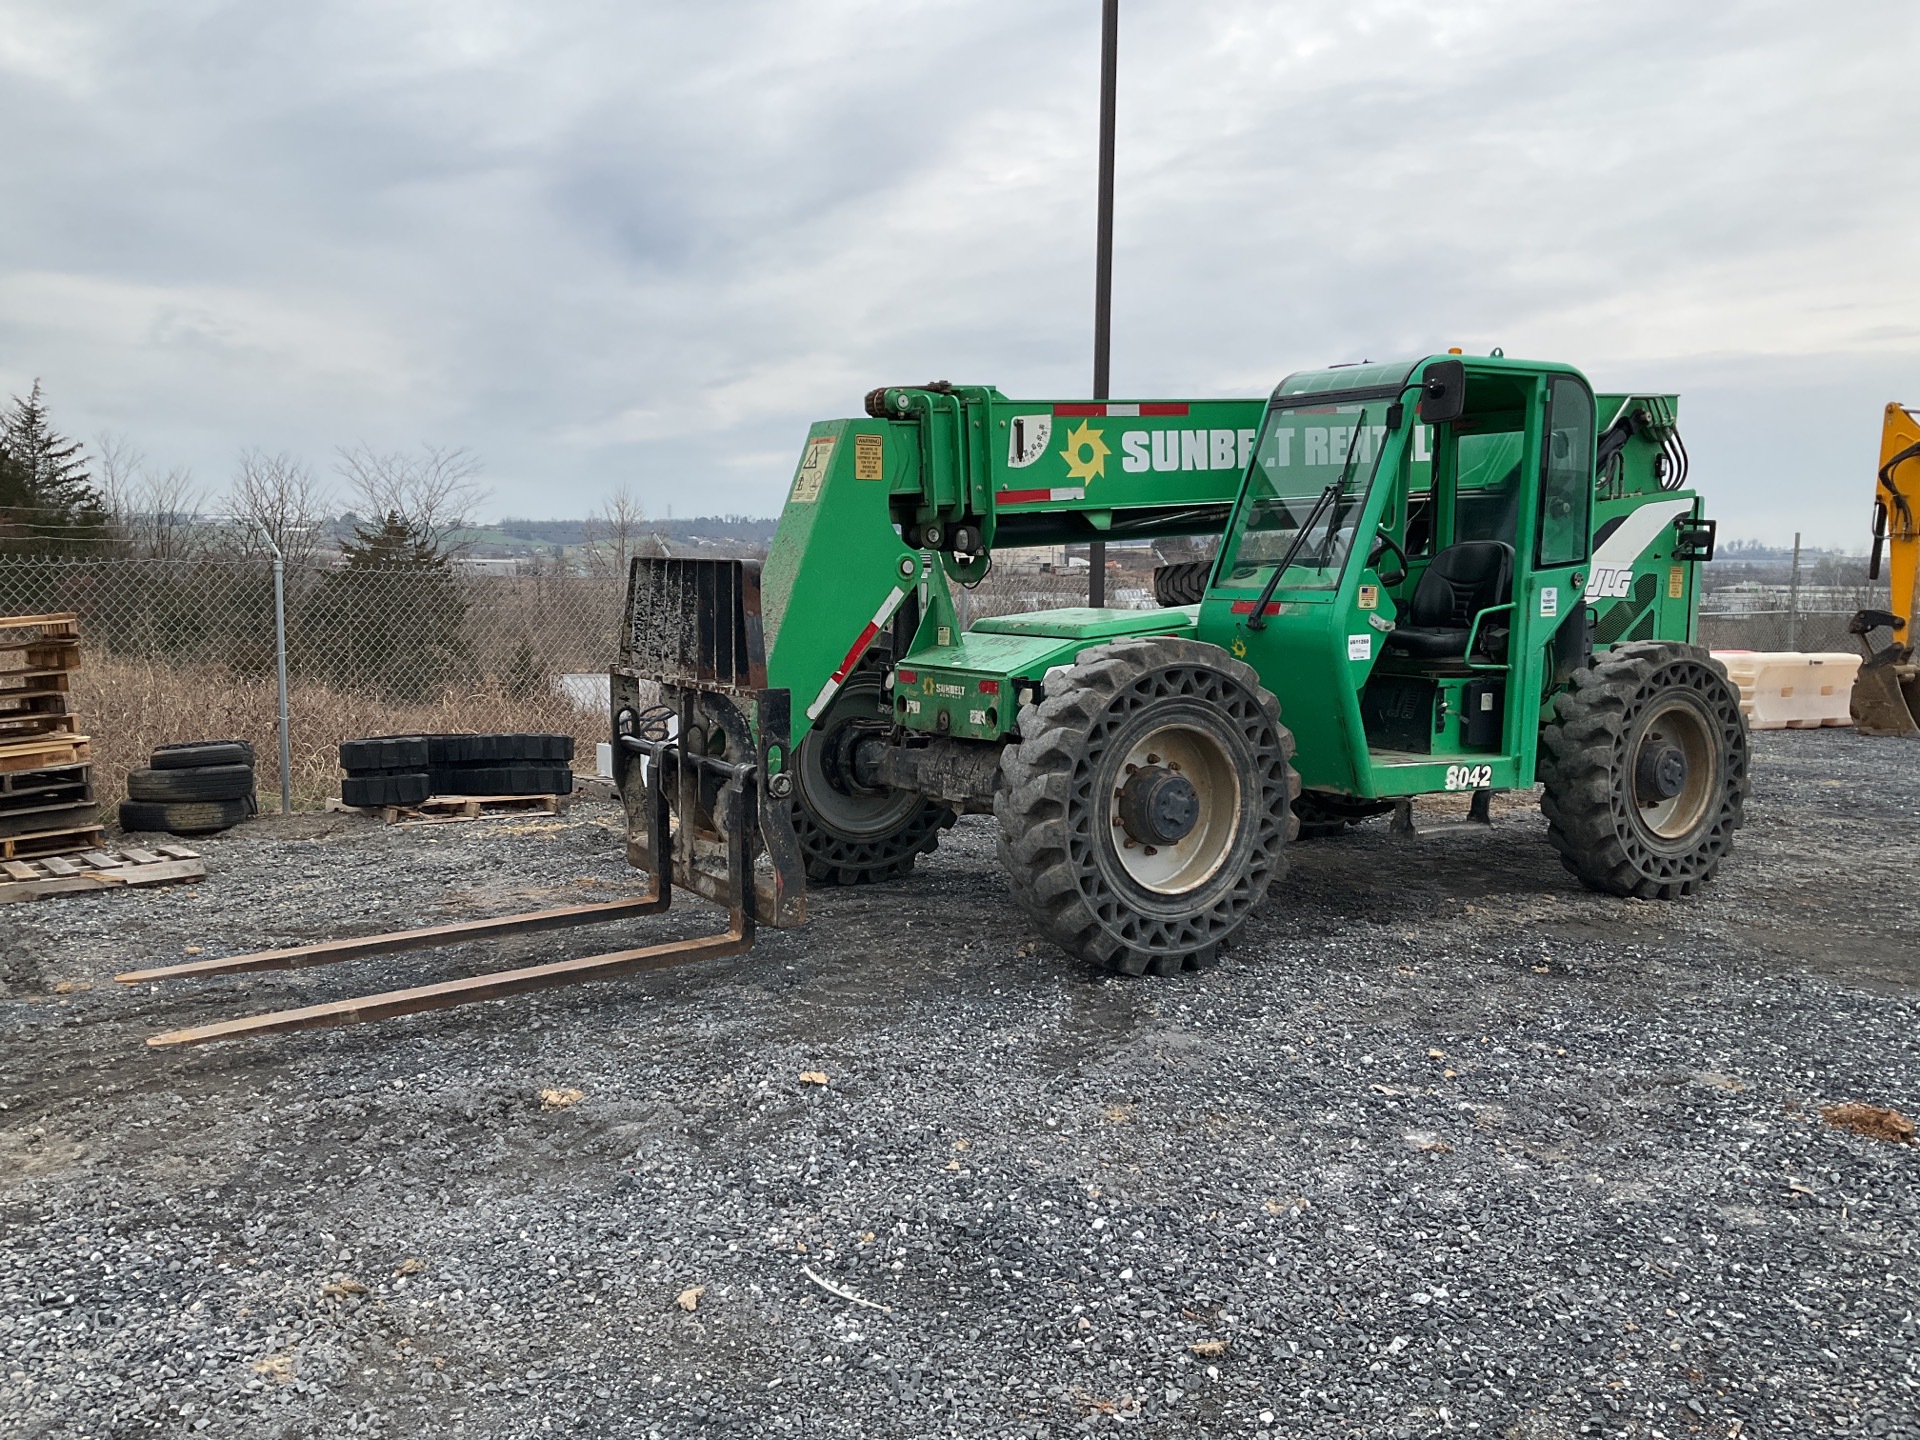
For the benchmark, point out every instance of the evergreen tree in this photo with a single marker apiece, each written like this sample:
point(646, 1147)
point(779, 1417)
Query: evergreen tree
point(391, 543)
point(391, 620)
point(48, 505)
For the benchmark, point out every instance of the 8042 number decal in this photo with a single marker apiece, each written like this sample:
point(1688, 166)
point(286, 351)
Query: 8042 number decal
point(1469, 777)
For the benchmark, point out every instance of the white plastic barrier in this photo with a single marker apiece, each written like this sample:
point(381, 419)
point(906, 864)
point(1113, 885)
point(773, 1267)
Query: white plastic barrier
point(1788, 690)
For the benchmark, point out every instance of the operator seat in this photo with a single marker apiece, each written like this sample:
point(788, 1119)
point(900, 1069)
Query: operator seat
point(1462, 581)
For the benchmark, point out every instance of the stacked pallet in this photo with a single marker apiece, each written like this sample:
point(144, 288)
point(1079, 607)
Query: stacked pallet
point(47, 803)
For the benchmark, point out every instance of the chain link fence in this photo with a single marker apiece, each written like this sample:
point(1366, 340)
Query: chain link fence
point(185, 650)
point(1812, 631)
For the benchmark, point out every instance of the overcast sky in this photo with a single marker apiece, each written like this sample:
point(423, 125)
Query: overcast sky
point(609, 241)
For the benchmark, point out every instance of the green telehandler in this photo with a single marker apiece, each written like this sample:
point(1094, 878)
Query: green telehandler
point(1451, 574)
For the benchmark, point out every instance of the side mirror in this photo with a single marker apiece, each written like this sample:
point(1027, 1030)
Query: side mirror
point(1443, 393)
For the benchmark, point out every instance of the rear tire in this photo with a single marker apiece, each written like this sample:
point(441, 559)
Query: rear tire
point(1145, 812)
point(1645, 769)
point(1183, 583)
point(850, 835)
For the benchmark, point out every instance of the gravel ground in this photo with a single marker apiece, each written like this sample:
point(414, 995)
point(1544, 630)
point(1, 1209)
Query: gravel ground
point(1448, 1146)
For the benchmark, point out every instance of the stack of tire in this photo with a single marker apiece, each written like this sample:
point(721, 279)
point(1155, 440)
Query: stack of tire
point(196, 787)
point(407, 769)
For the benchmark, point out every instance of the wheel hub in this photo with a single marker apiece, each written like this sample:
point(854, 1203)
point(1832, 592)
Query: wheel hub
point(1661, 773)
point(1158, 806)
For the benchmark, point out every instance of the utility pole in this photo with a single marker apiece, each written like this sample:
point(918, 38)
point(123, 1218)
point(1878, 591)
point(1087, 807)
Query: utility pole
point(1103, 260)
point(1793, 597)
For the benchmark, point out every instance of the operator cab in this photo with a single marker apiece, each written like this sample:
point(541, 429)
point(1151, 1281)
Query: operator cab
point(1420, 522)
point(1440, 685)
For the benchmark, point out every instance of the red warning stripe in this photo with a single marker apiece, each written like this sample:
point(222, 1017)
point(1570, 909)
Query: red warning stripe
point(1120, 410)
point(1042, 497)
point(1245, 607)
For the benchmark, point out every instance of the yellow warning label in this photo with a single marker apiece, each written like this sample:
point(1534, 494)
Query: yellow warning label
point(1676, 582)
point(867, 452)
point(813, 470)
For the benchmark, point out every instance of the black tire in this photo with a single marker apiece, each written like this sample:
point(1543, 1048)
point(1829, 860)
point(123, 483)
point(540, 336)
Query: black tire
point(850, 835)
point(198, 818)
point(520, 748)
point(1322, 813)
point(194, 754)
point(1184, 583)
point(206, 782)
point(384, 752)
point(1068, 853)
point(402, 788)
point(1645, 768)
point(502, 780)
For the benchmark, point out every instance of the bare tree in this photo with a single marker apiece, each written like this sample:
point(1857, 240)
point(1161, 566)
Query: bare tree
point(615, 533)
point(157, 514)
point(279, 495)
point(433, 492)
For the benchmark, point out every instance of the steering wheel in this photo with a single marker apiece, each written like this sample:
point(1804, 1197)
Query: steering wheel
point(1382, 542)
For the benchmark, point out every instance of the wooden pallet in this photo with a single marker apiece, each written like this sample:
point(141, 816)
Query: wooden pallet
point(43, 752)
point(449, 809)
point(56, 814)
point(27, 725)
point(97, 869)
point(39, 843)
point(65, 625)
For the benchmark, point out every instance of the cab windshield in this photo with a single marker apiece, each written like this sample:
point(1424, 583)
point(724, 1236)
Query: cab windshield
point(1311, 472)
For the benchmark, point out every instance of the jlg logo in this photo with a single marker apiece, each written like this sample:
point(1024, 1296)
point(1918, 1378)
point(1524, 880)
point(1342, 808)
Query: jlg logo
point(1609, 584)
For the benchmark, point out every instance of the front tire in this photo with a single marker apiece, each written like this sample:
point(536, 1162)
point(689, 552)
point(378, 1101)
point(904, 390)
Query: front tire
point(1145, 812)
point(1645, 770)
point(850, 834)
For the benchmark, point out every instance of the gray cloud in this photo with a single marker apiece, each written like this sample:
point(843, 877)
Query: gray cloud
point(606, 243)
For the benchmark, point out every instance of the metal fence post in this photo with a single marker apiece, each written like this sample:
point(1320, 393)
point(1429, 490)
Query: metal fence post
point(280, 660)
point(1793, 597)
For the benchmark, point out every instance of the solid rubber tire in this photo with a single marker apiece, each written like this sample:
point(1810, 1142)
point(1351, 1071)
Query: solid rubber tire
point(193, 754)
point(399, 788)
point(506, 748)
point(1051, 828)
point(199, 818)
point(205, 782)
point(384, 752)
point(1588, 799)
point(833, 857)
point(501, 780)
point(1182, 583)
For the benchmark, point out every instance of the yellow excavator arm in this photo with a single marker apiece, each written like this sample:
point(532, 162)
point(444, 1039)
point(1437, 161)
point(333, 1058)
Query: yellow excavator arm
point(1886, 696)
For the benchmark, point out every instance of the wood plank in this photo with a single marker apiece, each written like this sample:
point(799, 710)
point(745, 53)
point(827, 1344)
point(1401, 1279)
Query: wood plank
point(45, 754)
point(43, 843)
point(19, 870)
point(178, 852)
point(101, 860)
point(66, 619)
point(164, 873)
point(38, 887)
point(140, 857)
point(59, 865)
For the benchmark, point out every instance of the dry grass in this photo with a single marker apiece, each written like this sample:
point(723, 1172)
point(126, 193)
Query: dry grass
point(130, 706)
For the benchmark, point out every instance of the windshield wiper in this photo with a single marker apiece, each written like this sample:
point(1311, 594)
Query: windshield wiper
point(1258, 620)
